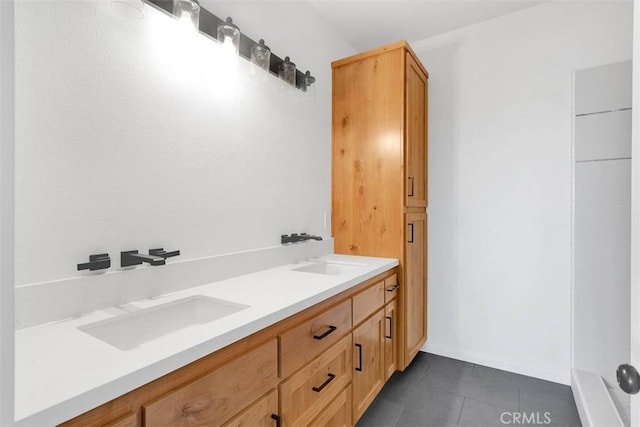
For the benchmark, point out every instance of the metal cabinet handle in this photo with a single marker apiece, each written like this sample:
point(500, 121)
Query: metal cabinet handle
point(324, 384)
point(330, 330)
point(393, 288)
point(390, 327)
point(411, 232)
point(410, 188)
point(276, 418)
point(359, 368)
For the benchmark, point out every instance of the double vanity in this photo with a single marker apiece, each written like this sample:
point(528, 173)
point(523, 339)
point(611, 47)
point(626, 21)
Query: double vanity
point(299, 344)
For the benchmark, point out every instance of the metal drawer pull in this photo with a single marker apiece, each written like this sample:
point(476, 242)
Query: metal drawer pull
point(390, 327)
point(411, 188)
point(276, 418)
point(331, 329)
point(411, 238)
point(393, 288)
point(359, 368)
point(324, 384)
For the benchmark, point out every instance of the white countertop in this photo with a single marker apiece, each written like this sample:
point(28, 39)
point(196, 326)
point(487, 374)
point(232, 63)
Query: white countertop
point(62, 372)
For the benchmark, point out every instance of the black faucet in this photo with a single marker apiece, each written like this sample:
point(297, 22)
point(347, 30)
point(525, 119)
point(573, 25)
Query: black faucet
point(96, 262)
point(294, 238)
point(129, 258)
point(162, 253)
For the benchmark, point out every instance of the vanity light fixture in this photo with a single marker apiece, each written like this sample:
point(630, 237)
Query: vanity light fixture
point(187, 12)
point(228, 34)
point(229, 37)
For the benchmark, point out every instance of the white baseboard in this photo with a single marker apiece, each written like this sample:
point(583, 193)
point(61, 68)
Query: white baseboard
point(497, 363)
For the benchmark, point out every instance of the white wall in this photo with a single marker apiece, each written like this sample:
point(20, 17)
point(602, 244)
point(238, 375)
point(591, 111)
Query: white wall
point(500, 180)
point(125, 141)
point(6, 211)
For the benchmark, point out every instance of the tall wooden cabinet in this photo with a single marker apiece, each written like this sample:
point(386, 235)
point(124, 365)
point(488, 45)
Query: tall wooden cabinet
point(379, 174)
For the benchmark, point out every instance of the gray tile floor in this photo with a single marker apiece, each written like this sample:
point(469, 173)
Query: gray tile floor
point(441, 392)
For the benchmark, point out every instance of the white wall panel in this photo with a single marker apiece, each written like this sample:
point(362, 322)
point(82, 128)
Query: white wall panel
point(603, 88)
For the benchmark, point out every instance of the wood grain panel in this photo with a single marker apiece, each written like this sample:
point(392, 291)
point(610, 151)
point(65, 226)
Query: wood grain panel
point(415, 287)
point(216, 397)
point(367, 178)
point(300, 403)
point(298, 345)
point(260, 414)
point(390, 339)
point(368, 361)
point(391, 286)
point(128, 420)
point(415, 134)
point(367, 302)
point(337, 413)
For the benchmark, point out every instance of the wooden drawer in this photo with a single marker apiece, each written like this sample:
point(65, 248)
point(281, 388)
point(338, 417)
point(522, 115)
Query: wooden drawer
point(263, 413)
point(368, 302)
point(307, 340)
point(308, 392)
point(337, 414)
point(391, 287)
point(215, 397)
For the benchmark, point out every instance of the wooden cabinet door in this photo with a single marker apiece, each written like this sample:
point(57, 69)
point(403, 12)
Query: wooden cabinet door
point(415, 134)
point(263, 413)
point(415, 286)
point(390, 339)
point(367, 181)
point(368, 362)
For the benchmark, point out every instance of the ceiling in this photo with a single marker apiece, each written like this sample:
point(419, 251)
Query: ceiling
point(370, 23)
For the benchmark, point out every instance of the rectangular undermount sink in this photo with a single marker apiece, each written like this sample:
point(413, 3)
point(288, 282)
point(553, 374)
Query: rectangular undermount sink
point(328, 268)
point(129, 330)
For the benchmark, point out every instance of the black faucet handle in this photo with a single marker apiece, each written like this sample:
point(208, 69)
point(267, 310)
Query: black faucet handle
point(96, 262)
point(162, 253)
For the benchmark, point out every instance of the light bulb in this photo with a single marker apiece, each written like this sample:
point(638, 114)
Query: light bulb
point(260, 61)
point(187, 12)
point(227, 45)
point(229, 37)
point(185, 21)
